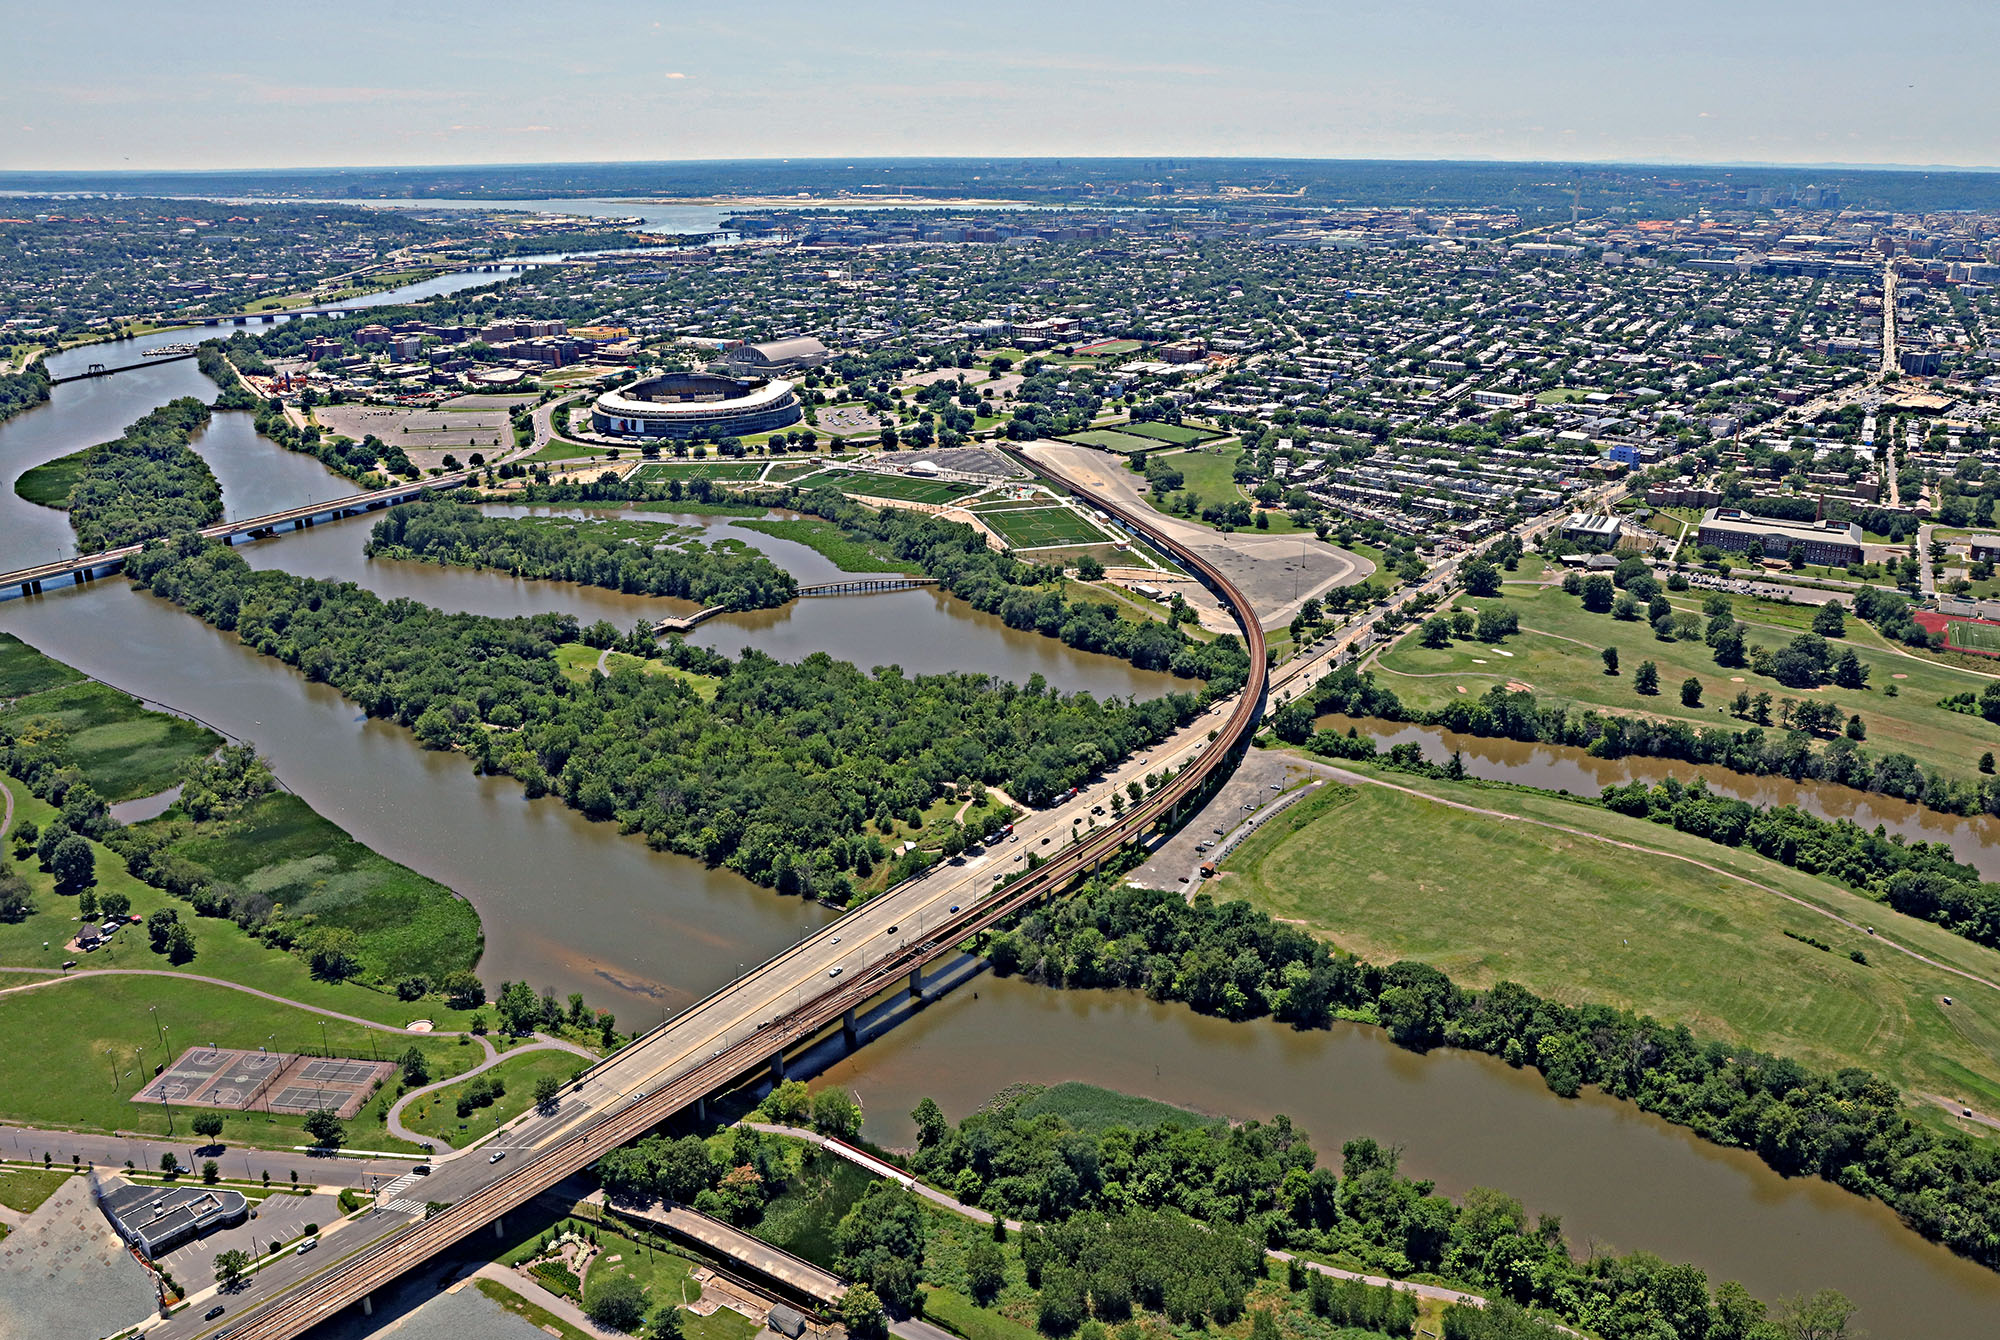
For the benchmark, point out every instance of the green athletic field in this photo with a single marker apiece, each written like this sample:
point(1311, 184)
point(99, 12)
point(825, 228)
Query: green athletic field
point(699, 470)
point(1178, 433)
point(1108, 348)
point(1113, 439)
point(1974, 636)
point(1035, 527)
point(894, 486)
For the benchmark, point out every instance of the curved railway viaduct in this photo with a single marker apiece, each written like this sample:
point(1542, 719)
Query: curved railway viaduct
point(777, 1006)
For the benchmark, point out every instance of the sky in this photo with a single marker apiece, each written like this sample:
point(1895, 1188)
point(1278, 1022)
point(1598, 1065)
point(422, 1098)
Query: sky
point(170, 84)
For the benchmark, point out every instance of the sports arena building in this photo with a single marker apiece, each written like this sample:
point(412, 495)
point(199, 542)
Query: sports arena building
point(697, 404)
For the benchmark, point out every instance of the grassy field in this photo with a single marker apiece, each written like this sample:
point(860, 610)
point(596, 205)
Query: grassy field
point(900, 487)
point(724, 469)
point(1089, 1108)
point(579, 662)
point(65, 1042)
point(529, 1312)
point(1210, 475)
point(1973, 635)
point(49, 483)
point(279, 847)
point(23, 670)
point(803, 1217)
point(124, 750)
point(1557, 653)
point(1390, 876)
point(1037, 527)
point(1563, 395)
point(1177, 433)
point(1115, 439)
point(849, 553)
point(24, 1189)
point(437, 1113)
point(222, 949)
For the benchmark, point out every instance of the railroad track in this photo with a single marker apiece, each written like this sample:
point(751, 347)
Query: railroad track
point(348, 1279)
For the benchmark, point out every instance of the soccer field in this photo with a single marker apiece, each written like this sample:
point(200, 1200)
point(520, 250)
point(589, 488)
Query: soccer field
point(1974, 636)
point(902, 487)
point(1037, 527)
point(1112, 439)
point(699, 470)
point(1177, 433)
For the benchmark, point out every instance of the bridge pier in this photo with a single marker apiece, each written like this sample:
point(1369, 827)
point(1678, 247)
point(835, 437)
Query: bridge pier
point(499, 1228)
point(849, 1028)
point(701, 1111)
point(778, 1067)
point(368, 1305)
point(916, 984)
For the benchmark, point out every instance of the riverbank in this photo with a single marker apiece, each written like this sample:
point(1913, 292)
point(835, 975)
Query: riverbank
point(1582, 905)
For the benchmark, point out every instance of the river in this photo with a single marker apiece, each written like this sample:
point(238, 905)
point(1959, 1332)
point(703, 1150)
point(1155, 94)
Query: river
point(575, 905)
point(1975, 840)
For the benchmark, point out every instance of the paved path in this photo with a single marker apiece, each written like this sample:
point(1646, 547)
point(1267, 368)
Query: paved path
point(1359, 779)
point(882, 1168)
point(56, 976)
point(396, 1127)
point(555, 1304)
point(6, 819)
point(112, 1150)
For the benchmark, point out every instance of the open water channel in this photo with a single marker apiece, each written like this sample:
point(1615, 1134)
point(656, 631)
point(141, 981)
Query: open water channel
point(573, 904)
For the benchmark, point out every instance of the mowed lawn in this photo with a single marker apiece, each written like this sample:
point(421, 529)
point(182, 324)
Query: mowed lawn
point(1393, 876)
point(222, 949)
point(1558, 654)
point(903, 488)
point(1036, 527)
point(79, 1050)
point(437, 1113)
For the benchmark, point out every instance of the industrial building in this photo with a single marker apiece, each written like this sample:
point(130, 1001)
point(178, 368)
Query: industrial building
point(697, 404)
point(1834, 543)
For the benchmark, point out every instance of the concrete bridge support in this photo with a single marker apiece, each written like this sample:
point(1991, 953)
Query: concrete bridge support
point(916, 984)
point(499, 1227)
point(778, 1068)
point(368, 1305)
point(849, 1028)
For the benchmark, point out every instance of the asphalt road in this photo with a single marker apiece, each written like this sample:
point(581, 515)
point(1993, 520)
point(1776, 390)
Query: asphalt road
point(851, 946)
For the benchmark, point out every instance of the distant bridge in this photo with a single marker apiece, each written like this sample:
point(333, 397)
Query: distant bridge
point(853, 586)
point(88, 567)
point(101, 370)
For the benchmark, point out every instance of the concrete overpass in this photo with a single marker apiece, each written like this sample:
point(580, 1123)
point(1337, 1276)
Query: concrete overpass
point(751, 1023)
point(88, 567)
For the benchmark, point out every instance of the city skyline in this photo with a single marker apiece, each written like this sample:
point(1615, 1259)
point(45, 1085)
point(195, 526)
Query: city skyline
point(373, 85)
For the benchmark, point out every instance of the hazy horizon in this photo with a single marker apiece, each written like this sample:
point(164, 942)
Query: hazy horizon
point(202, 86)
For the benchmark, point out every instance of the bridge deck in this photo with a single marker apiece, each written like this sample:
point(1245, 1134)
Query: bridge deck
point(803, 1277)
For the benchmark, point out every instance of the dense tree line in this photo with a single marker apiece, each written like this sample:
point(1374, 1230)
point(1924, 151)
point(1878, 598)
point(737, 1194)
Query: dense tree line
point(1231, 960)
point(1175, 1218)
point(1020, 594)
point(146, 483)
point(776, 777)
point(342, 455)
point(1755, 750)
point(23, 390)
point(212, 357)
point(454, 534)
point(997, 583)
point(1921, 879)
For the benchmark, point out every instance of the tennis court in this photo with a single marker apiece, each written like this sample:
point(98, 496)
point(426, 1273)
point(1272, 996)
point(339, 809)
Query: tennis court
point(256, 1081)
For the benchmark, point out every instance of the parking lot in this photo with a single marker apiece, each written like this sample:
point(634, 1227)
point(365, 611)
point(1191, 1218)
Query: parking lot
point(1177, 863)
point(279, 1219)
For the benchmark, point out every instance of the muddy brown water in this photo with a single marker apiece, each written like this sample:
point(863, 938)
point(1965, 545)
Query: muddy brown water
point(573, 904)
point(1976, 841)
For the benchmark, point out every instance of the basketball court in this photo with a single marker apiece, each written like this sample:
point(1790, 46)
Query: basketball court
point(258, 1081)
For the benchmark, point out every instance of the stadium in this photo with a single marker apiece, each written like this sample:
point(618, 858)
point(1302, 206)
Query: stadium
point(697, 404)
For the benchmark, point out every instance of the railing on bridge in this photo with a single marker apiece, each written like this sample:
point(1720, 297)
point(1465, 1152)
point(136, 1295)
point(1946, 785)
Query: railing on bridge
point(388, 1257)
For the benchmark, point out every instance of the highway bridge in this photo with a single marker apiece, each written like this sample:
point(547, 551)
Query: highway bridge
point(83, 568)
point(777, 1006)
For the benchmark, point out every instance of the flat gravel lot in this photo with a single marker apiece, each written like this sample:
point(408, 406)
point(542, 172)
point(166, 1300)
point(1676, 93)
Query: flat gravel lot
point(65, 1273)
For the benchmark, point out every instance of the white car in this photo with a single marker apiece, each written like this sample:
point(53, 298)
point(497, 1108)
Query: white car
point(833, 972)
